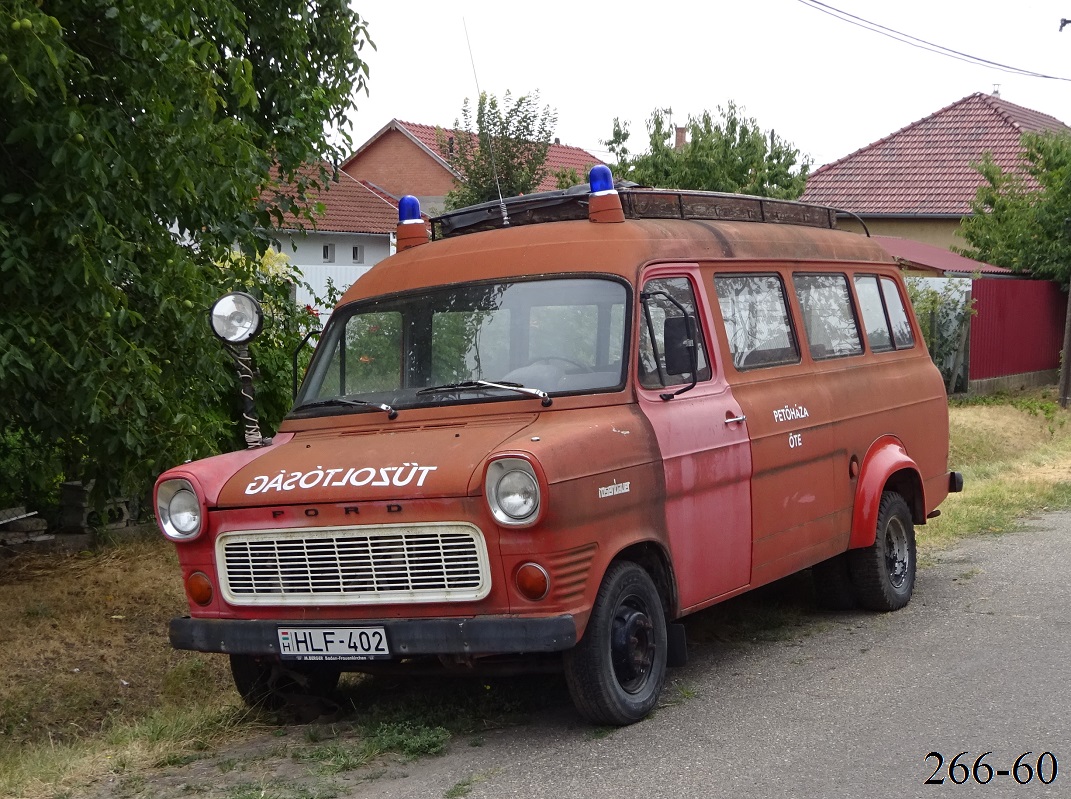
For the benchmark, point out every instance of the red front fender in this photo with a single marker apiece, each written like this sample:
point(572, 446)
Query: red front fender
point(885, 458)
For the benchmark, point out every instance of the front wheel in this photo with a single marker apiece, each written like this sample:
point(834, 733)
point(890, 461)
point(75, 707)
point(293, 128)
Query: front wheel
point(266, 682)
point(883, 574)
point(616, 672)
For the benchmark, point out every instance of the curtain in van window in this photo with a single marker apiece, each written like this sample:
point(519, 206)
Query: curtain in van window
point(828, 317)
point(901, 327)
point(872, 308)
point(755, 313)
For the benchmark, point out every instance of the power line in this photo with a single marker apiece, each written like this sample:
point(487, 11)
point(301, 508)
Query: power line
point(922, 44)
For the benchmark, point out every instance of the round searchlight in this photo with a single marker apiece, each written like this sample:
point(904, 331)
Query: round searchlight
point(236, 317)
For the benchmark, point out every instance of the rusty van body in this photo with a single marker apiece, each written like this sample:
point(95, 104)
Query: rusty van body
point(561, 436)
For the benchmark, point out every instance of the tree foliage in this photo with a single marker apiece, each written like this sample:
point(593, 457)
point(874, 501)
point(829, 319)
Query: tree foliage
point(136, 145)
point(726, 151)
point(1022, 217)
point(502, 152)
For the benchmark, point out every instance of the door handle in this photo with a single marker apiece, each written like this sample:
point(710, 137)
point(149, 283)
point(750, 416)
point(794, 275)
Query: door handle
point(733, 419)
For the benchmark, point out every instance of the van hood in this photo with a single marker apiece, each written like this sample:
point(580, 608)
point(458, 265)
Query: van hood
point(431, 460)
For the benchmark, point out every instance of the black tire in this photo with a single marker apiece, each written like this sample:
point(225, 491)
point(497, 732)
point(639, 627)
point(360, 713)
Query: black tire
point(883, 574)
point(616, 672)
point(833, 588)
point(265, 682)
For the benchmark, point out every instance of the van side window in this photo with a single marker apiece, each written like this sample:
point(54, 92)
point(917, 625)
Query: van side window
point(901, 327)
point(663, 299)
point(872, 308)
point(755, 312)
point(828, 317)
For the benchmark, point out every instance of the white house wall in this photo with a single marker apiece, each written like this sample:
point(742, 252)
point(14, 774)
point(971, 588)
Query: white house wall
point(306, 252)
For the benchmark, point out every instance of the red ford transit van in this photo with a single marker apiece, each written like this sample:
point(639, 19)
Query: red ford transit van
point(561, 425)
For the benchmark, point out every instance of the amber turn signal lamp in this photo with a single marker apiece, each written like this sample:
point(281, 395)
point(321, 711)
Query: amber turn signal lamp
point(199, 588)
point(533, 581)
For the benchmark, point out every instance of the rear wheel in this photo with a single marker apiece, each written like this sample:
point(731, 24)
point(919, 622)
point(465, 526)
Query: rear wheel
point(266, 682)
point(616, 672)
point(883, 574)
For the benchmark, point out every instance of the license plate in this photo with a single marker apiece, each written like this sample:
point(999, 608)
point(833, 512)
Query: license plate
point(333, 643)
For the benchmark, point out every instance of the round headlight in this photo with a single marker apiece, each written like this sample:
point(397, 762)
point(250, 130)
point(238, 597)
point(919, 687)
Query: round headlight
point(512, 491)
point(518, 494)
point(236, 317)
point(185, 511)
point(178, 510)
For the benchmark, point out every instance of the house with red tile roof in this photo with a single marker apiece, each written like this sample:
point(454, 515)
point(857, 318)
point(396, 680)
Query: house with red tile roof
point(353, 232)
point(404, 158)
point(918, 182)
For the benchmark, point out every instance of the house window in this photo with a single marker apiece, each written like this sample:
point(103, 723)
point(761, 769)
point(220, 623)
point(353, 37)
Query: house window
point(358, 253)
point(329, 253)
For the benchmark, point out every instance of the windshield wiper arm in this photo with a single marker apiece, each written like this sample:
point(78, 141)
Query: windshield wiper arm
point(391, 413)
point(471, 385)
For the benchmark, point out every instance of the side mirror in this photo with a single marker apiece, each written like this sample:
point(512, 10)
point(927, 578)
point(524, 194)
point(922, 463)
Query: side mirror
point(678, 336)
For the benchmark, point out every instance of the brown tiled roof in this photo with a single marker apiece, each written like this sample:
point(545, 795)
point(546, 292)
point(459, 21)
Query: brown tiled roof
point(925, 168)
point(559, 156)
point(353, 206)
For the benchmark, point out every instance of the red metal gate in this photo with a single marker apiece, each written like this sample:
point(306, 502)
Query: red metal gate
point(1018, 327)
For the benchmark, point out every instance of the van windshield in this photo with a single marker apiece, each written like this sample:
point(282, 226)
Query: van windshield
point(443, 345)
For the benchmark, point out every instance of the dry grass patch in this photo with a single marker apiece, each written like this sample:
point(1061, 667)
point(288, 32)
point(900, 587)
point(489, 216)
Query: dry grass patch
point(90, 641)
point(1015, 454)
point(91, 683)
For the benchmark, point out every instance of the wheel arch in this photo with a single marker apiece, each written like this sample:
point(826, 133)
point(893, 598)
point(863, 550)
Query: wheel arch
point(886, 467)
point(653, 559)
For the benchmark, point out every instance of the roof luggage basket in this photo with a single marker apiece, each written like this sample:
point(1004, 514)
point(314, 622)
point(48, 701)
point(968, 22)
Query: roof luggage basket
point(637, 203)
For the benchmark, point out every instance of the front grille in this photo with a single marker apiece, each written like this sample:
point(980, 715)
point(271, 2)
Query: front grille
point(354, 565)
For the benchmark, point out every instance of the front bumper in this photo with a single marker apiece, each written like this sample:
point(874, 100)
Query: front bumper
point(407, 637)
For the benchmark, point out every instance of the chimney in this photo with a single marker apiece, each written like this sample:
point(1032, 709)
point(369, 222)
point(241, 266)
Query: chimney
point(450, 145)
point(557, 140)
point(678, 143)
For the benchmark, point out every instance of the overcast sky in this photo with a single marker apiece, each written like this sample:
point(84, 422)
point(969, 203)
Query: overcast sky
point(825, 85)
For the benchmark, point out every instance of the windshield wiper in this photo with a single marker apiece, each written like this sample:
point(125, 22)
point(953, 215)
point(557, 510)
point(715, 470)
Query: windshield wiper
point(391, 413)
point(475, 385)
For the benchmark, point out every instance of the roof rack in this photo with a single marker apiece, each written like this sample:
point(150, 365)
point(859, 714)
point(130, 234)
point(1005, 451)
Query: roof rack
point(637, 203)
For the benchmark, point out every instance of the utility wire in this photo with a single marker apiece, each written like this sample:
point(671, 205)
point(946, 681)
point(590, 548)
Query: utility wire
point(922, 44)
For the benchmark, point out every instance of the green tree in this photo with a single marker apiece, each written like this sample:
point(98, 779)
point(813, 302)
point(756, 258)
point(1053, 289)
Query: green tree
point(500, 153)
point(136, 147)
point(726, 151)
point(1021, 218)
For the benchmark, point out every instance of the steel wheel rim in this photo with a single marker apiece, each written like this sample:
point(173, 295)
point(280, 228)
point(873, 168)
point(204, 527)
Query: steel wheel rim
point(632, 644)
point(897, 553)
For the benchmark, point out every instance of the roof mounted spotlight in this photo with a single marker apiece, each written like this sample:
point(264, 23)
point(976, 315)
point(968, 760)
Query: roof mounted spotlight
point(411, 228)
point(604, 203)
point(236, 319)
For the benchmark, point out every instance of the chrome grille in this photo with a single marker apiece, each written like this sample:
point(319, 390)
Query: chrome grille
point(354, 565)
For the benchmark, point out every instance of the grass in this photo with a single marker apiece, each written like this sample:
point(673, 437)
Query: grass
point(93, 690)
point(1015, 455)
point(408, 738)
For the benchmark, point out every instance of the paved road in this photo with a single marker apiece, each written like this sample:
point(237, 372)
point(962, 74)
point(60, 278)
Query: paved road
point(849, 705)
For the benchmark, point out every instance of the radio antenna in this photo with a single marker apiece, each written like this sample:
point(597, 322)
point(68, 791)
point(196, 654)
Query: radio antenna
point(490, 143)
